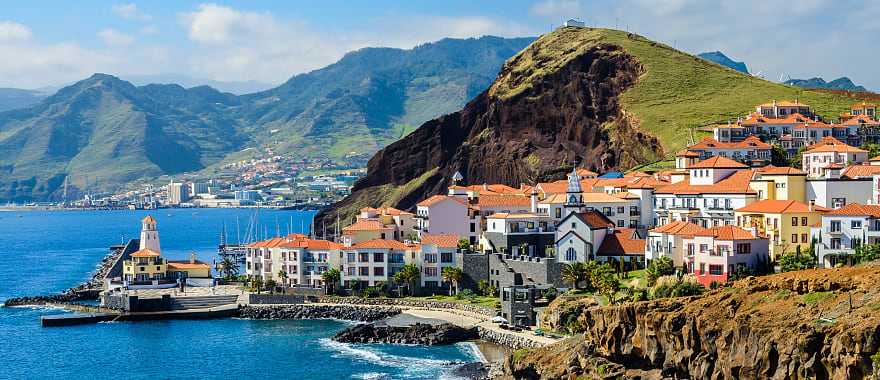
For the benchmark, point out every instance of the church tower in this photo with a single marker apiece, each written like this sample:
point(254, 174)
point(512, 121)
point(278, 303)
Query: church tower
point(574, 198)
point(149, 234)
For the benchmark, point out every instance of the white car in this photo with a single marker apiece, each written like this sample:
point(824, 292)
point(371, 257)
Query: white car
point(498, 319)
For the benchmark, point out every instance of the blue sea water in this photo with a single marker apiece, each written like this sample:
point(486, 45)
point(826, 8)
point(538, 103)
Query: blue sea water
point(44, 252)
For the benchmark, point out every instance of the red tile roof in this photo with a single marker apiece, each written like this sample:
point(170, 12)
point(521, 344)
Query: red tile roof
point(859, 120)
point(381, 244)
point(855, 209)
point(146, 252)
point(727, 233)
point(687, 153)
point(386, 211)
point(442, 241)
point(736, 183)
point(779, 207)
point(831, 144)
point(440, 198)
point(783, 170)
point(624, 241)
point(594, 219)
point(148, 219)
point(860, 171)
point(187, 265)
point(503, 201)
point(784, 103)
point(680, 228)
point(750, 142)
point(718, 162)
point(365, 225)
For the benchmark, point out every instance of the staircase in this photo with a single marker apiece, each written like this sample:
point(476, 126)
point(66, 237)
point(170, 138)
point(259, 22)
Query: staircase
point(202, 302)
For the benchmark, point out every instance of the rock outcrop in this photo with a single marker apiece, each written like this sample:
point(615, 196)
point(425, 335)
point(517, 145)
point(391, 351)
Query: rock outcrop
point(418, 333)
point(553, 105)
point(818, 324)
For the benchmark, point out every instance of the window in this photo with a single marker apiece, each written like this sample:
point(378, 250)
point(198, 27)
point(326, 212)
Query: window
point(431, 258)
point(704, 247)
point(716, 270)
point(378, 271)
point(621, 223)
point(364, 271)
point(570, 254)
point(835, 243)
point(431, 271)
point(558, 213)
point(621, 209)
point(473, 227)
point(835, 226)
point(856, 224)
point(803, 220)
point(743, 248)
point(378, 257)
point(351, 271)
point(794, 238)
point(703, 269)
point(446, 257)
point(804, 238)
point(794, 220)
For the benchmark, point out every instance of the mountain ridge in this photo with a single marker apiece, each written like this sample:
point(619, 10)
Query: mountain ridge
point(842, 83)
point(723, 60)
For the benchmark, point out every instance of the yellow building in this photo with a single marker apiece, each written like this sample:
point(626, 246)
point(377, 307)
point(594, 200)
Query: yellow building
point(785, 222)
point(780, 183)
point(147, 264)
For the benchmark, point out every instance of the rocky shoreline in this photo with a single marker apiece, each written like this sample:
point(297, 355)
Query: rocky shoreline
point(419, 333)
point(343, 312)
point(87, 290)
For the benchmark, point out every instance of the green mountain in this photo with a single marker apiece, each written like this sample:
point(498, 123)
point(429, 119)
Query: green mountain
point(13, 98)
point(842, 83)
point(374, 96)
point(106, 130)
point(723, 60)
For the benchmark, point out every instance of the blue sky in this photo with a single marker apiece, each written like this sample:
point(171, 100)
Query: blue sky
point(48, 43)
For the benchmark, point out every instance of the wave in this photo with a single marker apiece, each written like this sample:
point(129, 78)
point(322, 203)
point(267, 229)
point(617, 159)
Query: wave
point(371, 376)
point(473, 350)
point(411, 366)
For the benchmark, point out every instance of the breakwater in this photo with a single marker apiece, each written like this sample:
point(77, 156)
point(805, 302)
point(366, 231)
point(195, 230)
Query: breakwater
point(418, 333)
point(426, 304)
point(305, 311)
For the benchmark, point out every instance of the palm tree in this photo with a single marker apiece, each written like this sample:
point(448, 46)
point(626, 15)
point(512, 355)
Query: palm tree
point(228, 267)
point(331, 278)
point(452, 275)
point(409, 274)
point(283, 276)
point(574, 273)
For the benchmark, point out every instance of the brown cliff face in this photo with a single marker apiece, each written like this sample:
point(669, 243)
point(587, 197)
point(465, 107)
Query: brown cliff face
point(819, 324)
point(553, 105)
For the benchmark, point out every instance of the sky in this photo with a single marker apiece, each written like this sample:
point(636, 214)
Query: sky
point(51, 43)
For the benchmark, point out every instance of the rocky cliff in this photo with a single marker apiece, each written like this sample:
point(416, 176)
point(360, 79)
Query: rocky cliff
point(819, 324)
point(553, 105)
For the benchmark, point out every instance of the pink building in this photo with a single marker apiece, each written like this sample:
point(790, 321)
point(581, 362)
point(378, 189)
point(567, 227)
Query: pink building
point(830, 153)
point(716, 254)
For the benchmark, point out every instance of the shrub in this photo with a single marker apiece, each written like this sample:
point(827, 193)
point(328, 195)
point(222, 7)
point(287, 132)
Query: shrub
point(371, 292)
point(677, 286)
point(659, 267)
point(550, 293)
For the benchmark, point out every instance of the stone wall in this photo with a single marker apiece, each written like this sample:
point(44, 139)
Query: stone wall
point(508, 340)
point(411, 303)
point(275, 299)
point(475, 268)
point(343, 312)
point(507, 271)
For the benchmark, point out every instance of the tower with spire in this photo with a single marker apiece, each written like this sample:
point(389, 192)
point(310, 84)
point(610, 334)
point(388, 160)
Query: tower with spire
point(149, 234)
point(574, 198)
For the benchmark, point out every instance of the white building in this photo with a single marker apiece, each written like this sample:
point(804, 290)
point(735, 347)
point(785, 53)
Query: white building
point(372, 262)
point(447, 215)
point(714, 188)
point(198, 188)
point(294, 260)
point(579, 235)
point(667, 241)
point(715, 254)
point(437, 252)
point(177, 193)
point(830, 153)
point(843, 230)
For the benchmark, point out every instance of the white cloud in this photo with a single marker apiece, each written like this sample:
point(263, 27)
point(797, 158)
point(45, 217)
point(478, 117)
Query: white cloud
point(114, 37)
point(557, 8)
point(130, 11)
point(149, 29)
point(13, 31)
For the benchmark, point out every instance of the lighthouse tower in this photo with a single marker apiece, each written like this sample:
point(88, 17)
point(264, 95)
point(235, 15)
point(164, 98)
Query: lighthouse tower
point(149, 234)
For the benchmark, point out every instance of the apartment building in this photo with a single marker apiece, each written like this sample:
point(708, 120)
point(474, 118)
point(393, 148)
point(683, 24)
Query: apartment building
point(374, 262)
point(718, 253)
point(843, 230)
point(785, 223)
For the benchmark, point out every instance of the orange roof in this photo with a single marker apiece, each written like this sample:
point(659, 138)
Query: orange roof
point(271, 243)
point(365, 225)
point(861, 119)
point(779, 207)
point(434, 199)
point(381, 244)
point(860, 171)
point(489, 189)
point(750, 142)
point(718, 162)
point(386, 211)
point(831, 144)
point(855, 209)
point(687, 153)
point(727, 233)
point(187, 265)
point(148, 219)
point(780, 170)
point(755, 118)
point(303, 241)
point(442, 241)
point(583, 172)
point(503, 200)
point(594, 219)
point(146, 252)
point(736, 183)
point(679, 228)
point(784, 103)
point(863, 105)
point(875, 158)
point(624, 241)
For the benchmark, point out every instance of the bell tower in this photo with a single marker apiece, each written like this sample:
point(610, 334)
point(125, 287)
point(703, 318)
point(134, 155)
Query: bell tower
point(574, 198)
point(149, 234)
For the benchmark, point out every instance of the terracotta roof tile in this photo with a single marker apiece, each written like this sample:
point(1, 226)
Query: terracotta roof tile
point(718, 162)
point(780, 170)
point(365, 225)
point(750, 142)
point(595, 219)
point(440, 198)
point(187, 265)
point(830, 144)
point(727, 233)
point(442, 241)
point(779, 207)
point(381, 244)
point(503, 201)
point(148, 219)
point(855, 209)
point(680, 228)
point(860, 171)
point(146, 252)
point(624, 241)
point(736, 183)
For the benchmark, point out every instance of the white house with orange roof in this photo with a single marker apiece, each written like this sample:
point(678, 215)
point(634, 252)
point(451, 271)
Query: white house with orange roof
point(842, 230)
point(621, 208)
point(829, 152)
point(435, 253)
point(751, 150)
point(864, 109)
point(292, 261)
point(448, 214)
point(367, 229)
point(667, 241)
point(371, 262)
point(718, 253)
point(715, 187)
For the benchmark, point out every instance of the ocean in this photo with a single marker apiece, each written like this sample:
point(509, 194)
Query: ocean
point(45, 252)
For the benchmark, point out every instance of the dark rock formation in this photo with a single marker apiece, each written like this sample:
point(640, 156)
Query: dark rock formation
point(553, 105)
point(818, 324)
point(419, 333)
point(348, 313)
